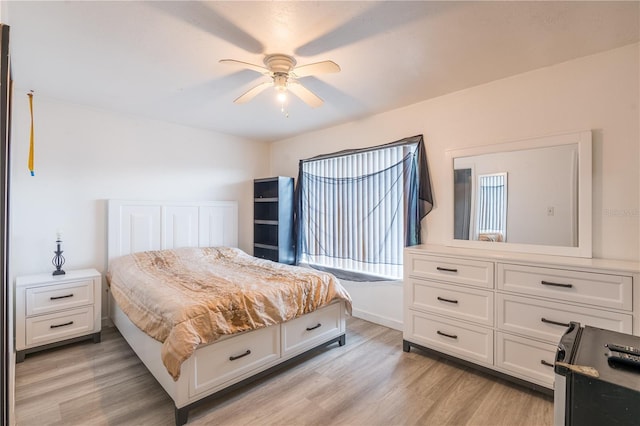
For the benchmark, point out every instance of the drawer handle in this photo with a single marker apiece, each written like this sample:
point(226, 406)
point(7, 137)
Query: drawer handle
point(440, 268)
point(543, 282)
point(61, 325)
point(314, 327)
point(442, 299)
point(548, 364)
point(233, 358)
point(563, 324)
point(450, 336)
point(61, 297)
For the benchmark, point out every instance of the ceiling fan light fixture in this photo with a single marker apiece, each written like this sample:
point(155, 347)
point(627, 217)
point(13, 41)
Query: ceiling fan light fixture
point(281, 96)
point(280, 81)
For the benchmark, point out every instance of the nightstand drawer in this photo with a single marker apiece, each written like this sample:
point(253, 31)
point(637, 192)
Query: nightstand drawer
point(52, 298)
point(59, 326)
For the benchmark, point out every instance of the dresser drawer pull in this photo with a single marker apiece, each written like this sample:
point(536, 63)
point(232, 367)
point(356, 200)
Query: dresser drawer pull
point(233, 358)
point(314, 327)
point(61, 325)
point(563, 324)
point(440, 268)
point(543, 282)
point(450, 336)
point(61, 297)
point(442, 299)
point(548, 364)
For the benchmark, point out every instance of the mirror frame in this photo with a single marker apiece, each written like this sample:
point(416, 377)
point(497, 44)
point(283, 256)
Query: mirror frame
point(583, 140)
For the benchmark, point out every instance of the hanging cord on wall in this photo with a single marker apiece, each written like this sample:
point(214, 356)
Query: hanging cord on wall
point(30, 95)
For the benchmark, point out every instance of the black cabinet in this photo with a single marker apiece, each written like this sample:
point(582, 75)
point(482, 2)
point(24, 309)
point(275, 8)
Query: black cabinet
point(273, 219)
point(608, 397)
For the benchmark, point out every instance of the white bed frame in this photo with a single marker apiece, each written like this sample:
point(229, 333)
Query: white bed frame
point(231, 362)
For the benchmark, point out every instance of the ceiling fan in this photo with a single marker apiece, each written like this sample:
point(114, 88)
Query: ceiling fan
point(284, 77)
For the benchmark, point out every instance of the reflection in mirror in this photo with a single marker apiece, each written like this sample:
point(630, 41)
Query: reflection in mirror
point(491, 214)
point(538, 206)
point(488, 222)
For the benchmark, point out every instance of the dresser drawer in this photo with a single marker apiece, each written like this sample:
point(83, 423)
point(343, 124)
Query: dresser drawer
point(51, 298)
point(59, 326)
point(228, 359)
point(302, 333)
point(467, 341)
point(601, 290)
point(549, 320)
point(527, 359)
point(460, 302)
point(459, 271)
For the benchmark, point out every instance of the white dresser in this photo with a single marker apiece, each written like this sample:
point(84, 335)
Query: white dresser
point(507, 311)
point(53, 309)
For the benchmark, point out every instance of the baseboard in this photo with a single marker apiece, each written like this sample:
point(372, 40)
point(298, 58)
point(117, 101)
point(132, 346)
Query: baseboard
point(378, 319)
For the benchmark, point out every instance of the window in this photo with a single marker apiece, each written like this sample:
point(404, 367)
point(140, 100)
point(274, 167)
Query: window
point(357, 210)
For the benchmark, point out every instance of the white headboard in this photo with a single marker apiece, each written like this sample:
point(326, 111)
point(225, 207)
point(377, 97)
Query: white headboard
point(134, 226)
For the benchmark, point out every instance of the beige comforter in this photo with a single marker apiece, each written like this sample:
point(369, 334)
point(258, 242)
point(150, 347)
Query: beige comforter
point(191, 296)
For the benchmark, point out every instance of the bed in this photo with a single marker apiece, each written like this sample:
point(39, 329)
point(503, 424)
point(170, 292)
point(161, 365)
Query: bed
point(147, 230)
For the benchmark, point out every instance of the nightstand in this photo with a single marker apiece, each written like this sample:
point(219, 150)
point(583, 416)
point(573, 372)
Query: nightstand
point(54, 310)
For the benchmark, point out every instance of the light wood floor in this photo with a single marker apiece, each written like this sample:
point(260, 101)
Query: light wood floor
point(369, 381)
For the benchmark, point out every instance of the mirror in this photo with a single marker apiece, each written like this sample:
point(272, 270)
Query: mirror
point(529, 196)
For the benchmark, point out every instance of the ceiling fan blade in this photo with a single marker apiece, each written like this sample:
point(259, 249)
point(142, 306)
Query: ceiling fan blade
point(253, 92)
point(305, 94)
point(253, 67)
point(324, 67)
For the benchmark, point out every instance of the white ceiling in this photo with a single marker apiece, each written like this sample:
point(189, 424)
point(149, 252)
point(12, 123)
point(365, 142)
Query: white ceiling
point(160, 59)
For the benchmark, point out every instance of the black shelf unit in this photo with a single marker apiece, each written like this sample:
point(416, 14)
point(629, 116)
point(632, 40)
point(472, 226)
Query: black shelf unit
point(273, 219)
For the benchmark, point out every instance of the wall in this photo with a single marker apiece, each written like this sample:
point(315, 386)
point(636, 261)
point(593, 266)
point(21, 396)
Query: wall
point(598, 92)
point(84, 156)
